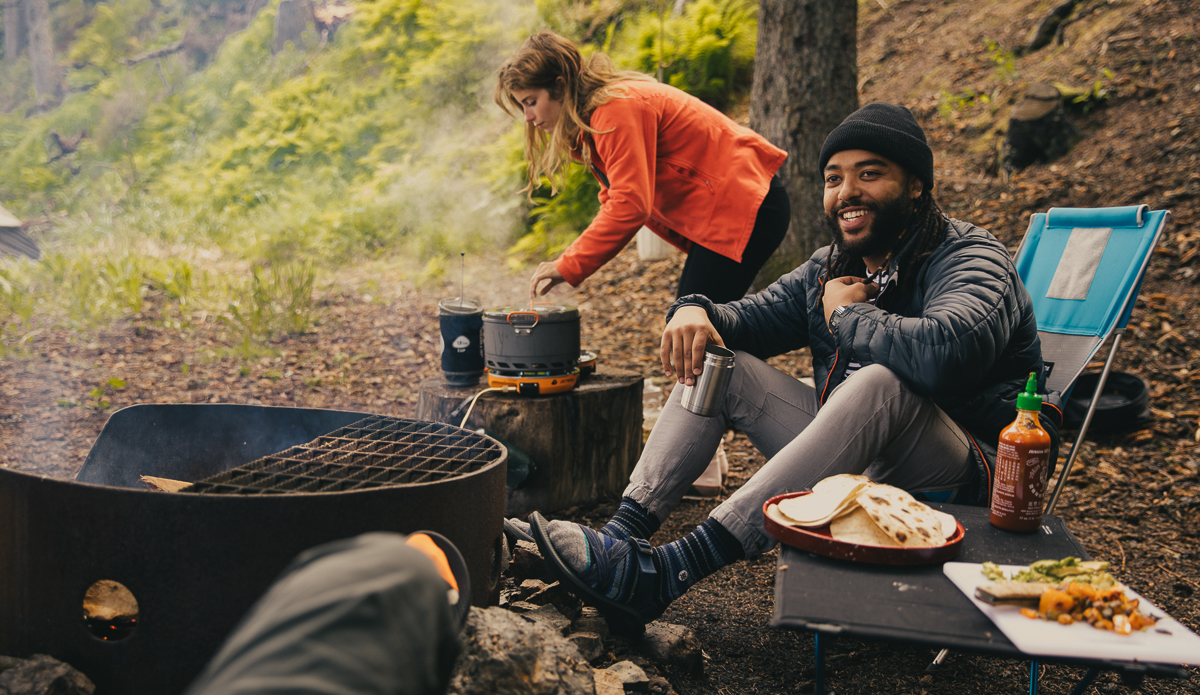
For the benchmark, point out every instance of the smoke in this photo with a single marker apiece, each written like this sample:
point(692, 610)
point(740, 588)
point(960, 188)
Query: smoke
point(457, 194)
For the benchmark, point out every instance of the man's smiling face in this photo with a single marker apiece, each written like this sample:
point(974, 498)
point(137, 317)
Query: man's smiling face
point(868, 201)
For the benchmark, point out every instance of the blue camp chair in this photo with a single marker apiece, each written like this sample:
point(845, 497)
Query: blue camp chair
point(1083, 268)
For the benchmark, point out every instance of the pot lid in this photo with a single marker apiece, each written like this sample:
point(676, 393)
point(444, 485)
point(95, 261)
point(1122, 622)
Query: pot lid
point(544, 313)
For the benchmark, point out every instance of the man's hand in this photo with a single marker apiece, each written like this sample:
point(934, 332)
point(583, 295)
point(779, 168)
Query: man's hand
point(846, 290)
point(683, 343)
point(546, 272)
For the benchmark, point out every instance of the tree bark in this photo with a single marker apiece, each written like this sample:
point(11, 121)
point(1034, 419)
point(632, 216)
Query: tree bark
point(805, 83)
point(46, 81)
point(293, 16)
point(15, 31)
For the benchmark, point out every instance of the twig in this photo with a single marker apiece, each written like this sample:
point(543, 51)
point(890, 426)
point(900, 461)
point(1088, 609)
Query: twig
point(1178, 575)
point(1167, 547)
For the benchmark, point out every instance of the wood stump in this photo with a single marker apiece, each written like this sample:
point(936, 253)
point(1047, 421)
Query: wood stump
point(1038, 130)
point(583, 443)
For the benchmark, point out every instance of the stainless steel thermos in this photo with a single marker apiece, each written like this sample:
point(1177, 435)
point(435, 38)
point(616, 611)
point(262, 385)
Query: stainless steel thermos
point(705, 396)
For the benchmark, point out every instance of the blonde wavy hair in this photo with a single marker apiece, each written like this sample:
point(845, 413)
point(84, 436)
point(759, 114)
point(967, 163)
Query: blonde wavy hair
point(548, 61)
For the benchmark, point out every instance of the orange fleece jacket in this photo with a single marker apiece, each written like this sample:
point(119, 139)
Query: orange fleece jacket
point(677, 166)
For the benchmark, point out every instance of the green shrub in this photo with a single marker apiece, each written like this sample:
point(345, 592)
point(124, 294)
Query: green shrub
point(708, 51)
point(557, 220)
point(270, 303)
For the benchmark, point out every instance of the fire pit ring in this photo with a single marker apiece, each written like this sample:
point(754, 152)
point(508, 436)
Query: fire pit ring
point(271, 482)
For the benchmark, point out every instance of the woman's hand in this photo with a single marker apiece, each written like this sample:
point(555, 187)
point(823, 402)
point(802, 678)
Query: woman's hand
point(683, 343)
point(846, 290)
point(545, 272)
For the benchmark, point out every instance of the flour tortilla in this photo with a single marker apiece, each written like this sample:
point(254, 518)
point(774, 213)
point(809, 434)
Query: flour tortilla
point(949, 525)
point(857, 527)
point(829, 499)
point(911, 523)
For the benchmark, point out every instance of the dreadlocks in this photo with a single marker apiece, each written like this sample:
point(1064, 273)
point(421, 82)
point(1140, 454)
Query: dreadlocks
point(924, 232)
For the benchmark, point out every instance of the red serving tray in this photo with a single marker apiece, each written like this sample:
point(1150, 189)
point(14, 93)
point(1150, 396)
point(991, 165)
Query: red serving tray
point(819, 541)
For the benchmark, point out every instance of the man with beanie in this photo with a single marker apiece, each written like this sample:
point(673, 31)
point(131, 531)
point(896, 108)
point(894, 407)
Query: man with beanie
point(921, 334)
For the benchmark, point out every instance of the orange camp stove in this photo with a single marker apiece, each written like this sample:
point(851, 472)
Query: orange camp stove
point(534, 383)
point(544, 382)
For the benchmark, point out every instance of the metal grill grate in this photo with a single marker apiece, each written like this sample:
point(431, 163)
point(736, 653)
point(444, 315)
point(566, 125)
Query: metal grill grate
point(374, 452)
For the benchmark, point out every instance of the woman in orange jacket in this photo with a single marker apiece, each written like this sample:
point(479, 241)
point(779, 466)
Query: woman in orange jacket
point(664, 159)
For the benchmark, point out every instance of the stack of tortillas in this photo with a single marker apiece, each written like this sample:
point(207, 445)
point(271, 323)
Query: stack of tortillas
point(866, 513)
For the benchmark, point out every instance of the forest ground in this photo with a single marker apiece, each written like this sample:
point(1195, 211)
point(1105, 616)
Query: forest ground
point(1133, 498)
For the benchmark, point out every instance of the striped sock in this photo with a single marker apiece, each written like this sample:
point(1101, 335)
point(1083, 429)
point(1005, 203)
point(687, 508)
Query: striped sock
point(692, 558)
point(630, 521)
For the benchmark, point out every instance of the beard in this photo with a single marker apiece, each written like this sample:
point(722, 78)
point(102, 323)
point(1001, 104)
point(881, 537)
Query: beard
point(889, 220)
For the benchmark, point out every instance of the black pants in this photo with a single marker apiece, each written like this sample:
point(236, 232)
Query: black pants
point(723, 279)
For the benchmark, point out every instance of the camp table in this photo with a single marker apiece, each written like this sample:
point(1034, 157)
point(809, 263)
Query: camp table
point(918, 604)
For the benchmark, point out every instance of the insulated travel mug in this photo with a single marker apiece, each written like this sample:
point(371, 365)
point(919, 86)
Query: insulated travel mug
point(462, 340)
point(705, 396)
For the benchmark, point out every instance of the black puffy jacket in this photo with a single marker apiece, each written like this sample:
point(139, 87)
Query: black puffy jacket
point(964, 336)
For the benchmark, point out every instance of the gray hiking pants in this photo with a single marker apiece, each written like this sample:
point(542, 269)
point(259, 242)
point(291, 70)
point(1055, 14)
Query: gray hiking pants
point(366, 615)
point(871, 424)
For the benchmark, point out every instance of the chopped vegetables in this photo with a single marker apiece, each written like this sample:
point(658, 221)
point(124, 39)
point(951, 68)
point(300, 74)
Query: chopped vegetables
point(1084, 591)
point(1105, 609)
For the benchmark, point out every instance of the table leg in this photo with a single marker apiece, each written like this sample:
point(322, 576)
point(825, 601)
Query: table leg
point(1088, 678)
point(819, 654)
point(937, 660)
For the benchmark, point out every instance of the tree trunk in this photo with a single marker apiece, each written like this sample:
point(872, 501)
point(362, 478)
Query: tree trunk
point(41, 53)
point(581, 445)
point(14, 30)
point(292, 17)
point(805, 83)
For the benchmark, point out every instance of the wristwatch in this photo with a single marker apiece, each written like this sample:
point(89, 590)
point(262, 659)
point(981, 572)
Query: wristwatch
point(838, 314)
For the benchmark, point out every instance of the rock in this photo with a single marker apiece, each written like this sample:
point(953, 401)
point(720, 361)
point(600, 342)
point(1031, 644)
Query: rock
point(590, 620)
point(548, 593)
point(504, 654)
point(44, 675)
point(531, 586)
point(633, 678)
point(675, 645)
point(527, 563)
point(608, 683)
point(523, 607)
point(509, 592)
point(7, 662)
point(589, 643)
point(660, 686)
point(551, 618)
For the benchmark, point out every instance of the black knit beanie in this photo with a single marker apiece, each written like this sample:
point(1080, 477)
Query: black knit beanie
point(884, 129)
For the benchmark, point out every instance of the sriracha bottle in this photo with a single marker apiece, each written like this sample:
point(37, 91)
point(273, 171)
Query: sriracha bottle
point(1022, 466)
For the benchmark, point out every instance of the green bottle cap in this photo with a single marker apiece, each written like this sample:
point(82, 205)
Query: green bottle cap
point(1030, 400)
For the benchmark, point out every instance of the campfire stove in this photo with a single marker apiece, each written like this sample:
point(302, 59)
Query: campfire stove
point(274, 482)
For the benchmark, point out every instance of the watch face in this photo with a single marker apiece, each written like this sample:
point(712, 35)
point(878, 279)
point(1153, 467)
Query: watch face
point(838, 313)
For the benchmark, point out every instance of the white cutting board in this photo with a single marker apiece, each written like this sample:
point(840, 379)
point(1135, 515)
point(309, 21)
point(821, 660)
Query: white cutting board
point(1168, 642)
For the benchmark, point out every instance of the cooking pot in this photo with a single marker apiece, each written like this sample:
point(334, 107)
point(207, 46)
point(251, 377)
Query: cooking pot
point(524, 339)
